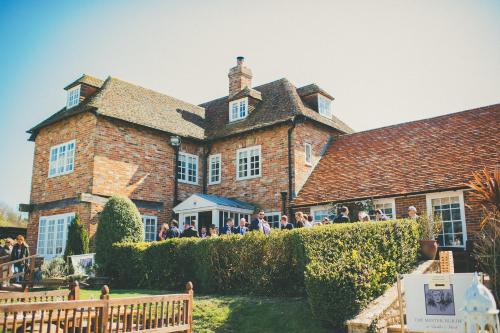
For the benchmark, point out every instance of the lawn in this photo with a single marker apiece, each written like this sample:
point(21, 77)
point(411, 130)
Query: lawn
point(239, 313)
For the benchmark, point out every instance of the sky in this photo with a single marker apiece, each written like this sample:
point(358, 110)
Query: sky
point(385, 62)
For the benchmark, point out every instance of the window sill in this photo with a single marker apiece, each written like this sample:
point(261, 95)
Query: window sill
point(186, 182)
point(246, 178)
point(308, 164)
point(214, 183)
point(61, 174)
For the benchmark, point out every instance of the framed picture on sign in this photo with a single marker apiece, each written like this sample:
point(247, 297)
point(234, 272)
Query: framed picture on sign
point(83, 264)
point(439, 302)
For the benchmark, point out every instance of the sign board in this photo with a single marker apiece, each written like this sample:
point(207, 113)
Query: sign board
point(433, 301)
point(82, 263)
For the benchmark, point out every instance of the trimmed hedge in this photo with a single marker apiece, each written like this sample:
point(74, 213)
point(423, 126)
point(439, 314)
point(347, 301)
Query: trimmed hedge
point(119, 221)
point(340, 267)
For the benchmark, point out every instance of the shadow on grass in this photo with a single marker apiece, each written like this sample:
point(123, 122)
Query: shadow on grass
point(231, 313)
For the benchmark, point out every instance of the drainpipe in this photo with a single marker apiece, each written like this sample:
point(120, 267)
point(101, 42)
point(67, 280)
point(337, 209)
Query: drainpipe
point(206, 154)
point(176, 181)
point(290, 168)
point(283, 202)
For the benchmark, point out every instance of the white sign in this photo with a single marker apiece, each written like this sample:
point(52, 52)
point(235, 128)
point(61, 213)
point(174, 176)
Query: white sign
point(433, 301)
point(82, 263)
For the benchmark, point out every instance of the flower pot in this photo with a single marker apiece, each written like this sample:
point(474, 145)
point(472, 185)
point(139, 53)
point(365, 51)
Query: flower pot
point(428, 248)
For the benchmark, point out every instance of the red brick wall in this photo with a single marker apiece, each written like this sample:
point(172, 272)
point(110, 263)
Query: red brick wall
point(316, 136)
point(473, 215)
point(139, 163)
point(263, 191)
point(80, 128)
point(402, 204)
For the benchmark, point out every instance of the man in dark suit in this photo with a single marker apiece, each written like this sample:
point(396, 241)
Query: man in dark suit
point(257, 223)
point(343, 217)
point(242, 228)
point(229, 227)
point(191, 231)
point(284, 224)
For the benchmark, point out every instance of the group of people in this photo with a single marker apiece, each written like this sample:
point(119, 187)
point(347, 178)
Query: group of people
point(260, 224)
point(15, 250)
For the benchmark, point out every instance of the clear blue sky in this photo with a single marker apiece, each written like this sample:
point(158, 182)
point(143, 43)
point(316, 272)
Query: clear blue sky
point(386, 62)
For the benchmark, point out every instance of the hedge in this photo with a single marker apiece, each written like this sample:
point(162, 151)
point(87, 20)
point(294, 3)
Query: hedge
point(340, 268)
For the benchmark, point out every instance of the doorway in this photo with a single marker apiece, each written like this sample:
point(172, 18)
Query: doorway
point(204, 220)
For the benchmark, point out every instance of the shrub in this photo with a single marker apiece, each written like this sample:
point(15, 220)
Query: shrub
point(78, 238)
point(119, 221)
point(340, 267)
point(55, 268)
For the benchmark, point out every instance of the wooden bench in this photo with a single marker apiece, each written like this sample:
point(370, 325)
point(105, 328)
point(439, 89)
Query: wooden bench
point(70, 294)
point(147, 314)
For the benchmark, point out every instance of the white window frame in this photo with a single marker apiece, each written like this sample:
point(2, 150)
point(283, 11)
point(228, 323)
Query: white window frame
point(183, 178)
point(460, 195)
point(43, 238)
point(308, 154)
point(238, 104)
point(325, 112)
point(73, 97)
point(210, 169)
point(384, 201)
point(63, 159)
point(273, 214)
point(315, 209)
point(248, 150)
point(155, 231)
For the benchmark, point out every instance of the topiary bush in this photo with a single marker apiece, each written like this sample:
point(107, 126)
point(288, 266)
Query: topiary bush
point(340, 268)
point(119, 221)
point(78, 238)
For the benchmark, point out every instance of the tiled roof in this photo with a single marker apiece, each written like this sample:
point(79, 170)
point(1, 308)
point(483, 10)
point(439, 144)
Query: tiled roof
point(87, 79)
point(228, 202)
point(312, 89)
point(280, 102)
point(420, 156)
point(129, 102)
point(126, 101)
point(132, 103)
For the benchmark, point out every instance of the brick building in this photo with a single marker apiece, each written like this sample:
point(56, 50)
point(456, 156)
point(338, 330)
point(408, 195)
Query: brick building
point(254, 148)
point(423, 163)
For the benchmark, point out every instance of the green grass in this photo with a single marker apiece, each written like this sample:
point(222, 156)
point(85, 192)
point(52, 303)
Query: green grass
point(239, 313)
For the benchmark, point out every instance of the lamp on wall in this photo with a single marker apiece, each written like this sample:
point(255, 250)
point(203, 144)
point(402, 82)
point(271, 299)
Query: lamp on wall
point(175, 141)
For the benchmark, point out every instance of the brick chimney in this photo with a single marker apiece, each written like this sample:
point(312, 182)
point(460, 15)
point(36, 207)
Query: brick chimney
point(240, 77)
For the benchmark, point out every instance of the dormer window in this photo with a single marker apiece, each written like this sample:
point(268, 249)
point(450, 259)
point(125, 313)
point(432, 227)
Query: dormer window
point(325, 106)
point(73, 97)
point(238, 109)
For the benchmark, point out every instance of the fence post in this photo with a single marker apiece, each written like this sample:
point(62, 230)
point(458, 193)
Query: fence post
point(104, 315)
point(189, 290)
point(74, 291)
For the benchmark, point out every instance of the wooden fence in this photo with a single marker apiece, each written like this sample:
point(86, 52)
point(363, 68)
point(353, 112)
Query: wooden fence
point(71, 294)
point(155, 314)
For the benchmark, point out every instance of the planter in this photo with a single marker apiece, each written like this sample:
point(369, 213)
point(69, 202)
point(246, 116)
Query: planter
point(53, 282)
point(428, 248)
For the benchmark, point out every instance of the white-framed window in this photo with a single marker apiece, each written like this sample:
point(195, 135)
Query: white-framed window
point(214, 169)
point(320, 212)
point(248, 163)
point(238, 109)
point(189, 218)
point(324, 106)
point(450, 206)
point(73, 97)
point(187, 168)
point(387, 206)
point(62, 159)
point(150, 223)
point(308, 153)
point(224, 215)
point(52, 234)
point(273, 218)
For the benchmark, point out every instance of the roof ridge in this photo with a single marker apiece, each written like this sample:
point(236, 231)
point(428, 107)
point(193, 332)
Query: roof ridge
point(424, 119)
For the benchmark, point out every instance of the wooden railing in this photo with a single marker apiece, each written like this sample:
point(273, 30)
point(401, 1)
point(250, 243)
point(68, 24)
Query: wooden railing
point(70, 294)
point(7, 269)
point(155, 314)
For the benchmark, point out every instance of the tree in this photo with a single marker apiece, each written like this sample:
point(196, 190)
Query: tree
point(119, 221)
point(78, 238)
